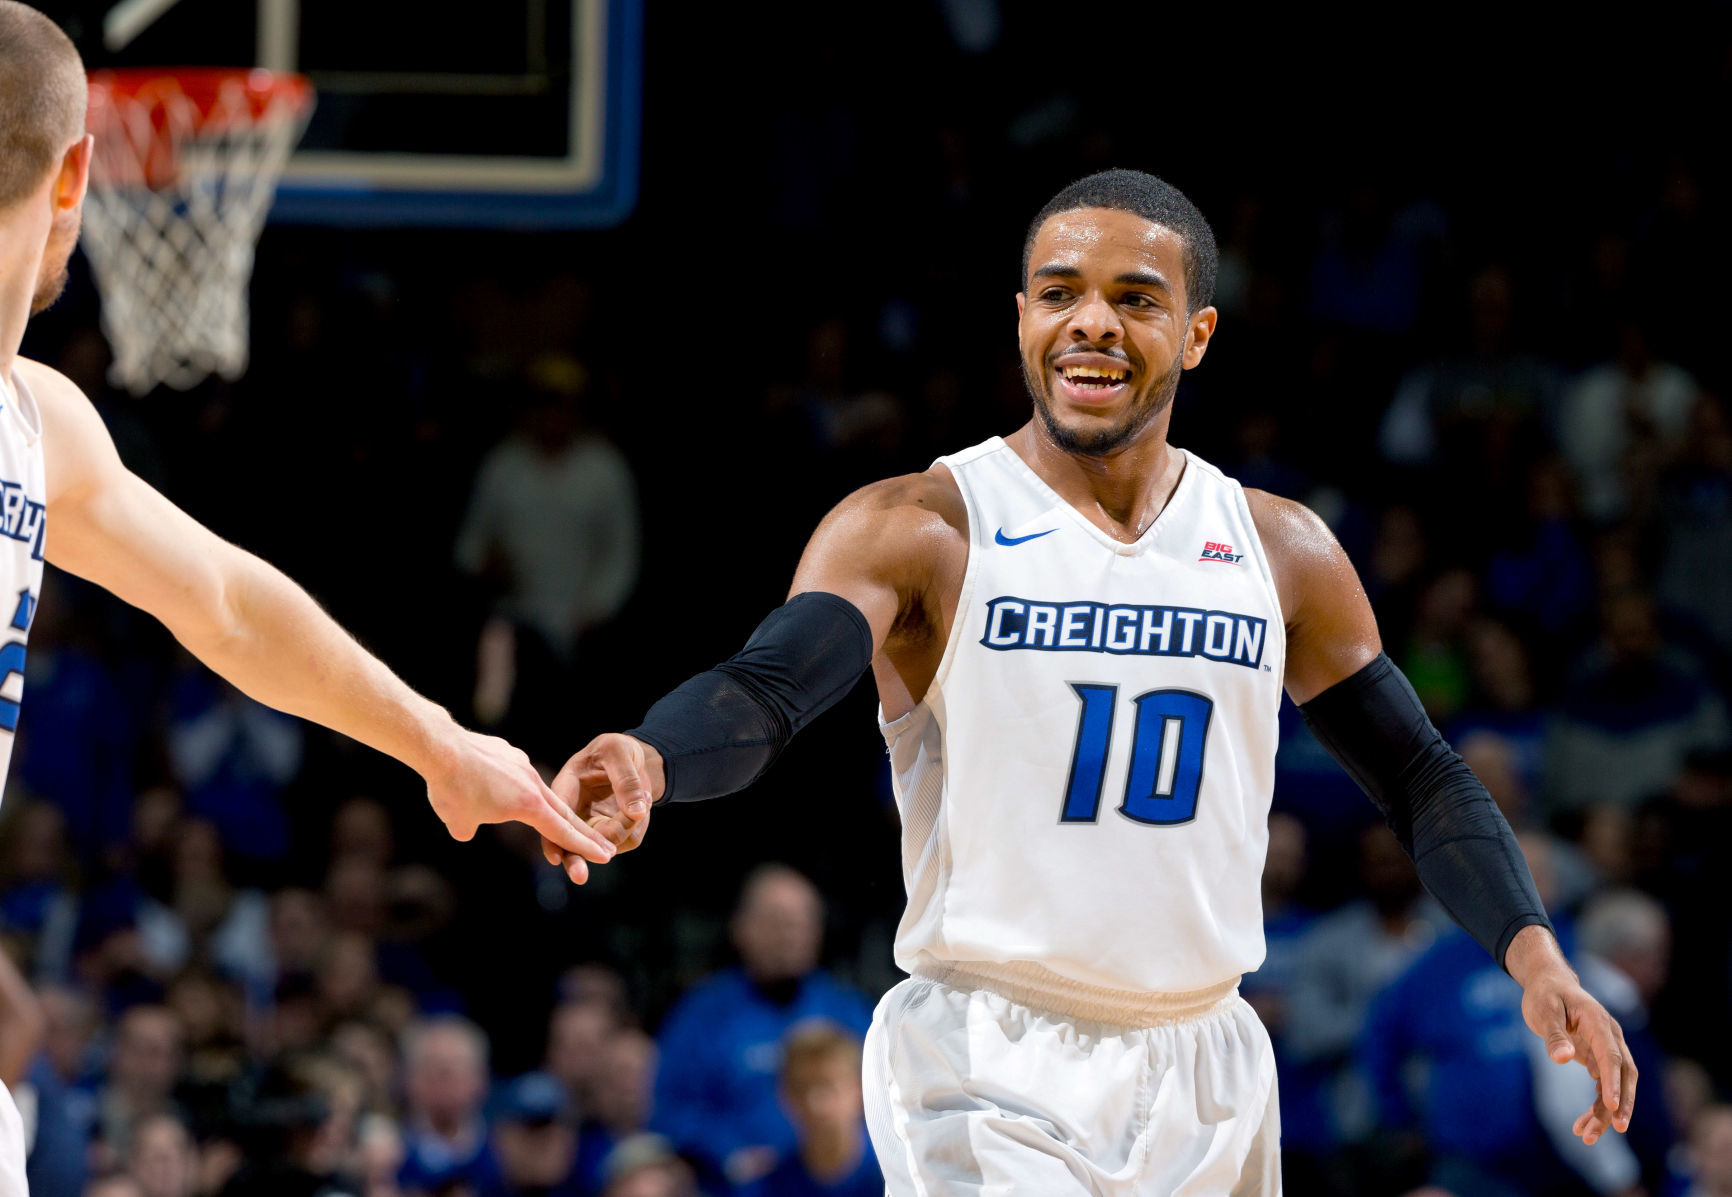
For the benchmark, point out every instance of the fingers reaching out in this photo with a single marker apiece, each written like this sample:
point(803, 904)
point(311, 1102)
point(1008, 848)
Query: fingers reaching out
point(605, 789)
point(1577, 1027)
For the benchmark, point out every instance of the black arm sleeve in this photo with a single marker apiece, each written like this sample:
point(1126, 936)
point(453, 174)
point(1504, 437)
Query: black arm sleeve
point(719, 731)
point(1374, 725)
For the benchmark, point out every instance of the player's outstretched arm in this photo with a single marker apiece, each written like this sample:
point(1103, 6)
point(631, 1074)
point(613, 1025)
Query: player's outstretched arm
point(1366, 714)
point(255, 627)
point(865, 583)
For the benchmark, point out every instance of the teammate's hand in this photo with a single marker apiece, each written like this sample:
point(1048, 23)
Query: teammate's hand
point(1576, 1027)
point(609, 786)
point(482, 779)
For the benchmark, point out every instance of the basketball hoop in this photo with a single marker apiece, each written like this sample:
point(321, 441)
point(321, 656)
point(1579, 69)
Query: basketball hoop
point(185, 167)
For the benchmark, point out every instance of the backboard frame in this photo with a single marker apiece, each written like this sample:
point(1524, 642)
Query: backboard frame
point(594, 185)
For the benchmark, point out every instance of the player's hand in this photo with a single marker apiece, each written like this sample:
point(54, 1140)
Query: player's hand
point(1576, 1027)
point(482, 779)
point(609, 786)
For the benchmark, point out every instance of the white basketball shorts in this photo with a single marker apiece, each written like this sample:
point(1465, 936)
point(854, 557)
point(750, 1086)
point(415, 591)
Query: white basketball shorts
point(969, 1092)
point(12, 1183)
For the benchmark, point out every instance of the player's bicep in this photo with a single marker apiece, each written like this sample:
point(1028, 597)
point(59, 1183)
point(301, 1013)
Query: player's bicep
point(130, 540)
point(875, 550)
point(1331, 629)
point(110, 527)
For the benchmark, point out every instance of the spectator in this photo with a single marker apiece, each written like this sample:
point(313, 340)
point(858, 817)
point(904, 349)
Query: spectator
point(233, 757)
point(362, 827)
point(144, 1064)
point(1631, 714)
point(1711, 1153)
point(378, 1156)
point(1503, 700)
point(721, 1046)
point(297, 1123)
point(118, 1184)
point(38, 898)
point(576, 1034)
point(1346, 958)
point(554, 520)
point(821, 1089)
point(619, 1100)
point(1270, 992)
point(535, 1140)
point(365, 1048)
point(299, 930)
point(1695, 512)
point(162, 1158)
point(445, 1082)
point(646, 1166)
point(204, 918)
point(1621, 420)
point(1475, 414)
point(70, 1030)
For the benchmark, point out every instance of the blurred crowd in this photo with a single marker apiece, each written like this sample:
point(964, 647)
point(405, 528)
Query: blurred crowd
point(548, 477)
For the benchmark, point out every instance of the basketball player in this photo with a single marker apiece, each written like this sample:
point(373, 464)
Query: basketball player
point(1080, 635)
point(66, 497)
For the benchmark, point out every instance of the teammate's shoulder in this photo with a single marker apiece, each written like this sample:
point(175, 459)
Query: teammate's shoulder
point(46, 383)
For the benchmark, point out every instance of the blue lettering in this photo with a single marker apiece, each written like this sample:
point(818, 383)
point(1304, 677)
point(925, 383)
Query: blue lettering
point(1189, 619)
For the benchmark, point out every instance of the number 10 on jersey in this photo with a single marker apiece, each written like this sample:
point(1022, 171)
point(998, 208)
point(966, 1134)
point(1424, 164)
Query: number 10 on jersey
point(1166, 755)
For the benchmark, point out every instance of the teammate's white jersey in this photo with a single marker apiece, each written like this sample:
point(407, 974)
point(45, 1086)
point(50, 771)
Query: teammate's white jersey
point(23, 525)
point(1085, 787)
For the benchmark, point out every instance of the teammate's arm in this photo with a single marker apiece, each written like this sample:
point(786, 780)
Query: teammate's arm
point(255, 627)
point(865, 584)
point(1366, 714)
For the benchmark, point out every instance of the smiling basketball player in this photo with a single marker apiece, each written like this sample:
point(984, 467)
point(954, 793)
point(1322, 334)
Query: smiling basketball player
point(1080, 635)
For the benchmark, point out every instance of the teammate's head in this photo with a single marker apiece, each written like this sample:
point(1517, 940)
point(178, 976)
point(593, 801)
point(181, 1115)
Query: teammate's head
point(43, 147)
point(1118, 270)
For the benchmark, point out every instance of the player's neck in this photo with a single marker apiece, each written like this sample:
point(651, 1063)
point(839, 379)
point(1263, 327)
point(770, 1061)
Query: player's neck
point(1121, 492)
point(18, 269)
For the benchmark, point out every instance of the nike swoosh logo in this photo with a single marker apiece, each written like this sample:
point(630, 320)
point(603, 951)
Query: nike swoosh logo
point(1007, 541)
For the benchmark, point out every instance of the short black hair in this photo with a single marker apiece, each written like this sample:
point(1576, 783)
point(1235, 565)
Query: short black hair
point(1156, 201)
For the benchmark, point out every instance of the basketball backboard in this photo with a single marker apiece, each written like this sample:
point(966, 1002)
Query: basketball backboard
point(509, 114)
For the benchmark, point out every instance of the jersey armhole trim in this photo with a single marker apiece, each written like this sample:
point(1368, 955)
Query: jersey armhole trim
point(1267, 574)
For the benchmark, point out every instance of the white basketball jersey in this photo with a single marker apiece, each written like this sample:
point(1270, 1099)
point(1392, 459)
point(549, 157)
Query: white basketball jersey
point(23, 524)
point(1085, 787)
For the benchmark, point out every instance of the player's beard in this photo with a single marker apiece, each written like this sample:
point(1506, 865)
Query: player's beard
point(1106, 441)
point(56, 258)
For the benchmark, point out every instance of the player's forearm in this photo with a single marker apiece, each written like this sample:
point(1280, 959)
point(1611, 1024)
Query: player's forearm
point(1461, 845)
point(267, 636)
point(721, 730)
point(1533, 953)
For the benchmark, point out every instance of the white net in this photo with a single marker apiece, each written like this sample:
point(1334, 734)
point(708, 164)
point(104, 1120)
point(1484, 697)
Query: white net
point(182, 178)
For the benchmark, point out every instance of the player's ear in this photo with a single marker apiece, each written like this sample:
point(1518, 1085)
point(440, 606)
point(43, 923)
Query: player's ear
point(1021, 303)
point(74, 176)
point(1199, 329)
